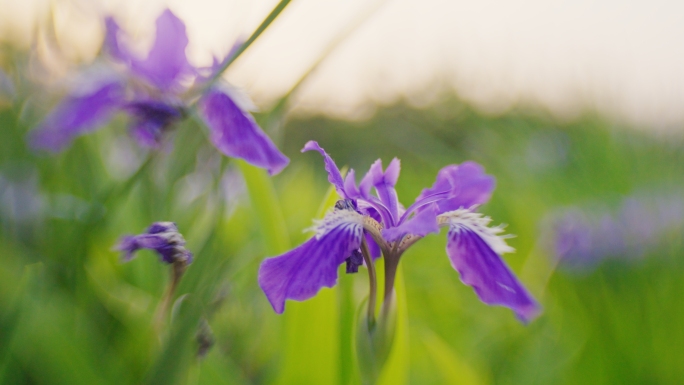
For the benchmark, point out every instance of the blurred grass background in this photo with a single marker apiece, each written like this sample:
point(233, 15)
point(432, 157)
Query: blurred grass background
point(72, 313)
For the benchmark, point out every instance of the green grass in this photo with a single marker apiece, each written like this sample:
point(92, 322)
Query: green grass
point(71, 313)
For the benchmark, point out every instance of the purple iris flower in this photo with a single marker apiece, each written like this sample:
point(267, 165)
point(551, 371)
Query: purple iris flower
point(162, 237)
point(581, 238)
point(156, 92)
point(473, 247)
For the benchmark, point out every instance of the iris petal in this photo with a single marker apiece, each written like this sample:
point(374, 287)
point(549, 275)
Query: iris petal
point(350, 188)
point(421, 224)
point(334, 175)
point(76, 115)
point(384, 185)
point(112, 45)
point(166, 62)
point(467, 183)
point(150, 119)
point(300, 273)
point(483, 269)
point(235, 133)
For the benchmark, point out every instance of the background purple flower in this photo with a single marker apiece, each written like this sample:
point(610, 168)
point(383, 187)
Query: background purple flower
point(155, 92)
point(582, 237)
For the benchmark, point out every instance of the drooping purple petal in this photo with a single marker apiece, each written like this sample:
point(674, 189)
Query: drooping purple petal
point(166, 63)
point(129, 245)
point(467, 184)
point(334, 175)
point(483, 269)
point(421, 224)
point(150, 120)
point(76, 115)
point(300, 273)
point(235, 133)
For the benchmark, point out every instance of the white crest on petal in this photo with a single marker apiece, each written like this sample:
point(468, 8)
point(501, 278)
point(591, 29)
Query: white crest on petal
point(476, 222)
point(346, 219)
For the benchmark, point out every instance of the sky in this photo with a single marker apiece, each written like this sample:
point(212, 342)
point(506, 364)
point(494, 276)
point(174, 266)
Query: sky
point(624, 59)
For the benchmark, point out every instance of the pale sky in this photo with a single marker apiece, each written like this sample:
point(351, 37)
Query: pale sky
point(623, 58)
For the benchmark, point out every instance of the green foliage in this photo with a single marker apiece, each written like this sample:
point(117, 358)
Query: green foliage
point(72, 313)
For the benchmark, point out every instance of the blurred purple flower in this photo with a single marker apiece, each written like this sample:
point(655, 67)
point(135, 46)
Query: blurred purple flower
point(162, 237)
point(7, 90)
point(581, 238)
point(473, 247)
point(150, 119)
point(152, 91)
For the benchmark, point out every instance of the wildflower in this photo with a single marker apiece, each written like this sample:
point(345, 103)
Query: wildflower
point(167, 241)
point(162, 237)
point(7, 91)
point(156, 92)
point(473, 247)
point(582, 237)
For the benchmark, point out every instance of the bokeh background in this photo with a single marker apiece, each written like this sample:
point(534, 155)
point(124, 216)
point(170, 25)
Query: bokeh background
point(575, 108)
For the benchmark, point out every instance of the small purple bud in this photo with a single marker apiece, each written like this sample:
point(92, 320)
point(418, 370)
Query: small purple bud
point(162, 237)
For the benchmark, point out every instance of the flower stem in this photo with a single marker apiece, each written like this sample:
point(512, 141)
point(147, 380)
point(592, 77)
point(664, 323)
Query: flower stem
point(177, 270)
point(262, 27)
point(120, 190)
point(372, 294)
point(391, 265)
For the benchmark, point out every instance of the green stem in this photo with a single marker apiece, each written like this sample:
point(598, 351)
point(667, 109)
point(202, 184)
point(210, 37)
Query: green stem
point(391, 265)
point(372, 282)
point(110, 195)
point(264, 24)
point(177, 270)
point(119, 190)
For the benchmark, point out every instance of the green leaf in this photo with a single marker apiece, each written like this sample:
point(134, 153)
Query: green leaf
point(452, 368)
point(347, 367)
point(266, 208)
point(176, 356)
point(312, 333)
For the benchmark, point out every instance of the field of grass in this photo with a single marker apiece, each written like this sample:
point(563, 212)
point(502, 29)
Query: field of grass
point(72, 313)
